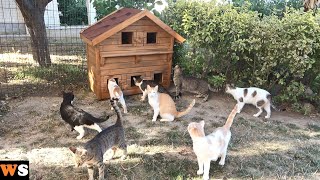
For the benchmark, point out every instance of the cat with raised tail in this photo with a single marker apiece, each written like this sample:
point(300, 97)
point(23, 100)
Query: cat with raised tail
point(164, 105)
point(211, 147)
point(115, 92)
point(142, 84)
point(251, 95)
point(111, 138)
point(76, 117)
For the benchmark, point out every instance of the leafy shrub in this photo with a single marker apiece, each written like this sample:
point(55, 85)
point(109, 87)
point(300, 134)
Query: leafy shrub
point(247, 49)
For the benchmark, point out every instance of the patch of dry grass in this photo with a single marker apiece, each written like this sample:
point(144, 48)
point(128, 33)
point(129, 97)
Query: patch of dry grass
point(258, 149)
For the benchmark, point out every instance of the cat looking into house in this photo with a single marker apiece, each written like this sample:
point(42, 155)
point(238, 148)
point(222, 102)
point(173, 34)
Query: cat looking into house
point(76, 117)
point(190, 84)
point(164, 105)
point(142, 84)
point(252, 95)
point(211, 147)
point(92, 152)
point(115, 92)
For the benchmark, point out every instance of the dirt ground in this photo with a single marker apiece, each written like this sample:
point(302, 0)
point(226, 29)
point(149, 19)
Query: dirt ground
point(284, 147)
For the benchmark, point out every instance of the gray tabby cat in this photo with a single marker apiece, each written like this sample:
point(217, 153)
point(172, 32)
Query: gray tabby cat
point(190, 84)
point(112, 137)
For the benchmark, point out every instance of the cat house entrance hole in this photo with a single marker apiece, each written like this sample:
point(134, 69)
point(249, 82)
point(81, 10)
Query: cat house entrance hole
point(117, 81)
point(132, 81)
point(157, 77)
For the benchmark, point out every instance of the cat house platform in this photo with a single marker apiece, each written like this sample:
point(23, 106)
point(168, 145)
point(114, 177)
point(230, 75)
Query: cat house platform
point(126, 44)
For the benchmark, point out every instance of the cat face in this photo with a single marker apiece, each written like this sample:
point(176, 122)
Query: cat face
point(152, 91)
point(177, 70)
point(196, 129)
point(229, 88)
point(80, 156)
point(137, 81)
point(68, 96)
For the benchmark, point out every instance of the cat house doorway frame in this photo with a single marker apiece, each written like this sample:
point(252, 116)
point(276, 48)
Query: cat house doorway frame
point(125, 44)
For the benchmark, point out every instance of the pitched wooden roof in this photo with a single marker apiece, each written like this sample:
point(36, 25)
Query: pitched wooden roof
point(119, 20)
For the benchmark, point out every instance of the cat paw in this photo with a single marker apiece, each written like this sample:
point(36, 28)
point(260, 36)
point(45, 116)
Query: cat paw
point(205, 177)
point(125, 111)
point(154, 120)
point(199, 172)
point(256, 115)
point(221, 163)
point(79, 137)
point(123, 158)
point(267, 117)
point(177, 97)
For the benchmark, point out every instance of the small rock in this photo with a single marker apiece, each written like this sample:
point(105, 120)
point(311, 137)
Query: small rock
point(308, 91)
point(308, 108)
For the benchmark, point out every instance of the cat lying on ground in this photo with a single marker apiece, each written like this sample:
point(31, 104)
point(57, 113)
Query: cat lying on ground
point(112, 137)
point(252, 95)
point(115, 92)
point(76, 117)
point(162, 103)
point(190, 84)
point(142, 84)
point(211, 147)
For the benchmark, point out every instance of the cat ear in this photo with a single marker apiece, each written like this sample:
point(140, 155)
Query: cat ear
point(202, 123)
point(73, 149)
point(134, 78)
point(148, 87)
point(156, 88)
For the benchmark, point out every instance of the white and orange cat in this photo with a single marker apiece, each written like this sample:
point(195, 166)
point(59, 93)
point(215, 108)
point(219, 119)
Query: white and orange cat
point(164, 105)
point(252, 95)
point(211, 147)
point(115, 92)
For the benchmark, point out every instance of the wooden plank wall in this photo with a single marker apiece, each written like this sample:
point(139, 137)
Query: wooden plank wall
point(124, 67)
point(139, 29)
point(91, 64)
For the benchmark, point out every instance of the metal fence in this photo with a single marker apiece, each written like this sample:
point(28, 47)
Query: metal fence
point(64, 19)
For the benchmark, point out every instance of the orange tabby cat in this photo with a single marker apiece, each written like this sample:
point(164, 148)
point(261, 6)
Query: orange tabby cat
point(211, 147)
point(162, 103)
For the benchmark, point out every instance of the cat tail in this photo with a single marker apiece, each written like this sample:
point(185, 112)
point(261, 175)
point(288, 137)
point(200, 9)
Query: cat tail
point(113, 102)
point(212, 88)
point(179, 114)
point(231, 117)
point(272, 105)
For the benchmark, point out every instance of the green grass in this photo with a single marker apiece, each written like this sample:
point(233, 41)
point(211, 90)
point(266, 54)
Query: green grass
point(61, 74)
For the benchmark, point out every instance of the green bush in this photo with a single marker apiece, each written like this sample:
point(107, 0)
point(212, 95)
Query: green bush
point(247, 49)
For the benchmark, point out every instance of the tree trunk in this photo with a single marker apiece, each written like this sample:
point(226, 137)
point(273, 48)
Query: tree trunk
point(33, 14)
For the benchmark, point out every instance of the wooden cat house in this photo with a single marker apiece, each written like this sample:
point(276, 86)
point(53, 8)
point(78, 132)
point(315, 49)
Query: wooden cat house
point(125, 44)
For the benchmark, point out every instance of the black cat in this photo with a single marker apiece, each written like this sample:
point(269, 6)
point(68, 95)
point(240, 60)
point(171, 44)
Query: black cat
point(76, 117)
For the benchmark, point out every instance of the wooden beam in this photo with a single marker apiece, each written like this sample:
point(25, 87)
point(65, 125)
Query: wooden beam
point(119, 27)
point(179, 38)
point(126, 53)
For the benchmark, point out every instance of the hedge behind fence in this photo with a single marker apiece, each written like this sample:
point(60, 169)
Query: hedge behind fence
point(229, 44)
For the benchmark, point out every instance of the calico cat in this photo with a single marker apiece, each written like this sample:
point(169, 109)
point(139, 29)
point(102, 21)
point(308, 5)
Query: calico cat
point(115, 92)
point(162, 103)
point(142, 84)
point(111, 138)
point(190, 84)
point(76, 117)
point(211, 147)
point(252, 95)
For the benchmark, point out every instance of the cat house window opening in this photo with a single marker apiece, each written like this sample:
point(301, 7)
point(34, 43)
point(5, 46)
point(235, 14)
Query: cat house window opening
point(157, 77)
point(132, 81)
point(117, 81)
point(151, 37)
point(126, 37)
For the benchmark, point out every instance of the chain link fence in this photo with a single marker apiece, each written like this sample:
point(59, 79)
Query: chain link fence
point(19, 73)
